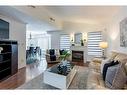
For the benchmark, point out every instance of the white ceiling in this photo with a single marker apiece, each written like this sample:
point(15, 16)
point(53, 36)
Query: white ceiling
point(33, 23)
point(84, 14)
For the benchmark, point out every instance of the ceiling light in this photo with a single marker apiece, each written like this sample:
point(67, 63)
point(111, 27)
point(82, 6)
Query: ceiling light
point(52, 19)
point(32, 6)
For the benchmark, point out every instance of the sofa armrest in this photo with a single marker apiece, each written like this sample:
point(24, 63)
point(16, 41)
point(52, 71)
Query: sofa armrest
point(47, 54)
point(98, 60)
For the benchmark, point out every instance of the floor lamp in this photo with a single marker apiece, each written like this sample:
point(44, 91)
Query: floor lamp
point(103, 45)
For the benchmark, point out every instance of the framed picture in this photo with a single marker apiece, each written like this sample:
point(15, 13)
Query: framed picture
point(78, 37)
point(4, 29)
point(123, 33)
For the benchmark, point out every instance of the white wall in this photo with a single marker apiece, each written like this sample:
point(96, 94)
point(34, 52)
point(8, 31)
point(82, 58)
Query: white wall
point(17, 31)
point(55, 39)
point(113, 32)
point(71, 28)
point(81, 27)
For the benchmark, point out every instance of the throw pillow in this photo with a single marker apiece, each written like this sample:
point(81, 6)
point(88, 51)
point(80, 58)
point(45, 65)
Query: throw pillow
point(110, 75)
point(51, 51)
point(53, 57)
point(103, 63)
point(61, 52)
point(116, 77)
point(112, 63)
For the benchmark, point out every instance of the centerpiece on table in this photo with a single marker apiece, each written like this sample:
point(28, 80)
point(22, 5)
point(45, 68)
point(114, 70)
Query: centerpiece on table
point(64, 67)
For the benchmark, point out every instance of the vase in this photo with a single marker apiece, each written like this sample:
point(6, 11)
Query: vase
point(82, 44)
point(64, 62)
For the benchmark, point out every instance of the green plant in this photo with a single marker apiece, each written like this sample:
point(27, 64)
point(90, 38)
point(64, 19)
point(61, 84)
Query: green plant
point(65, 55)
point(82, 42)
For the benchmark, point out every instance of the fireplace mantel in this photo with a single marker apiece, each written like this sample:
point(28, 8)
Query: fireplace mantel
point(80, 48)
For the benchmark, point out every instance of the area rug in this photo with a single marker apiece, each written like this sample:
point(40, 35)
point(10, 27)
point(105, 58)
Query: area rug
point(78, 82)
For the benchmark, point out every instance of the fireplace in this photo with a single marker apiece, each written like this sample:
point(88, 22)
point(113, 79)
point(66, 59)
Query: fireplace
point(77, 56)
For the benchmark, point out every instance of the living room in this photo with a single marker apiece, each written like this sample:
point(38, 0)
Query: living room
point(89, 35)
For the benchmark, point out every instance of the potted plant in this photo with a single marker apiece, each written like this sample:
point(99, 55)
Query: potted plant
point(1, 49)
point(62, 67)
point(65, 55)
point(72, 43)
point(82, 43)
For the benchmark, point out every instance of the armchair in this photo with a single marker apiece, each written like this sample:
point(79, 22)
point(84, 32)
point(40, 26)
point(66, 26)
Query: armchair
point(52, 56)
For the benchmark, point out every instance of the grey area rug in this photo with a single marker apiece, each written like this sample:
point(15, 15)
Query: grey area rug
point(78, 82)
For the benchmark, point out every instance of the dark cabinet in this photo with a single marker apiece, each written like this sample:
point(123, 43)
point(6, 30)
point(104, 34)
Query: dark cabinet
point(14, 61)
point(8, 58)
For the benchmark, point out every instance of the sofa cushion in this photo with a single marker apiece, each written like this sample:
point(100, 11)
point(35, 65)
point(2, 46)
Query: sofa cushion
point(116, 77)
point(112, 63)
point(121, 57)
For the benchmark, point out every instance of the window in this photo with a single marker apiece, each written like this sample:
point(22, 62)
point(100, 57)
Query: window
point(94, 38)
point(65, 41)
point(39, 40)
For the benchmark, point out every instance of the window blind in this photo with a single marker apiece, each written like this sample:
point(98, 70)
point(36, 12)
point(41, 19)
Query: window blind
point(65, 41)
point(94, 38)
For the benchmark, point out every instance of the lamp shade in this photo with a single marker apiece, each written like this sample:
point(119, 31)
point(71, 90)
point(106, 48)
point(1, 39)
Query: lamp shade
point(103, 45)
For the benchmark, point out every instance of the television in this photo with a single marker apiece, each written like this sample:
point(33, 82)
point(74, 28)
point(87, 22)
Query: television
point(4, 29)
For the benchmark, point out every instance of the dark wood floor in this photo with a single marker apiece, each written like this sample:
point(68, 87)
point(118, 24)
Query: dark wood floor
point(26, 74)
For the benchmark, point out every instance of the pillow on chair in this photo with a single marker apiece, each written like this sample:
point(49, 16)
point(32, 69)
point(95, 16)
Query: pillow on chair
point(61, 52)
point(52, 52)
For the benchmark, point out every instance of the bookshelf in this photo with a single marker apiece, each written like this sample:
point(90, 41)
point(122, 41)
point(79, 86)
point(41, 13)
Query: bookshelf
point(8, 58)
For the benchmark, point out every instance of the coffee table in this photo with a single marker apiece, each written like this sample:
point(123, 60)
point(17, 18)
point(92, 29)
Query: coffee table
point(53, 78)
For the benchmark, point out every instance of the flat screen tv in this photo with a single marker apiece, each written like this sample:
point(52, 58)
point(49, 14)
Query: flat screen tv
point(4, 29)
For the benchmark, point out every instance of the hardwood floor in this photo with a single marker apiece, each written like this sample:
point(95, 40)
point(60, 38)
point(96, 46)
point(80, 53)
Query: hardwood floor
point(15, 80)
point(26, 74)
